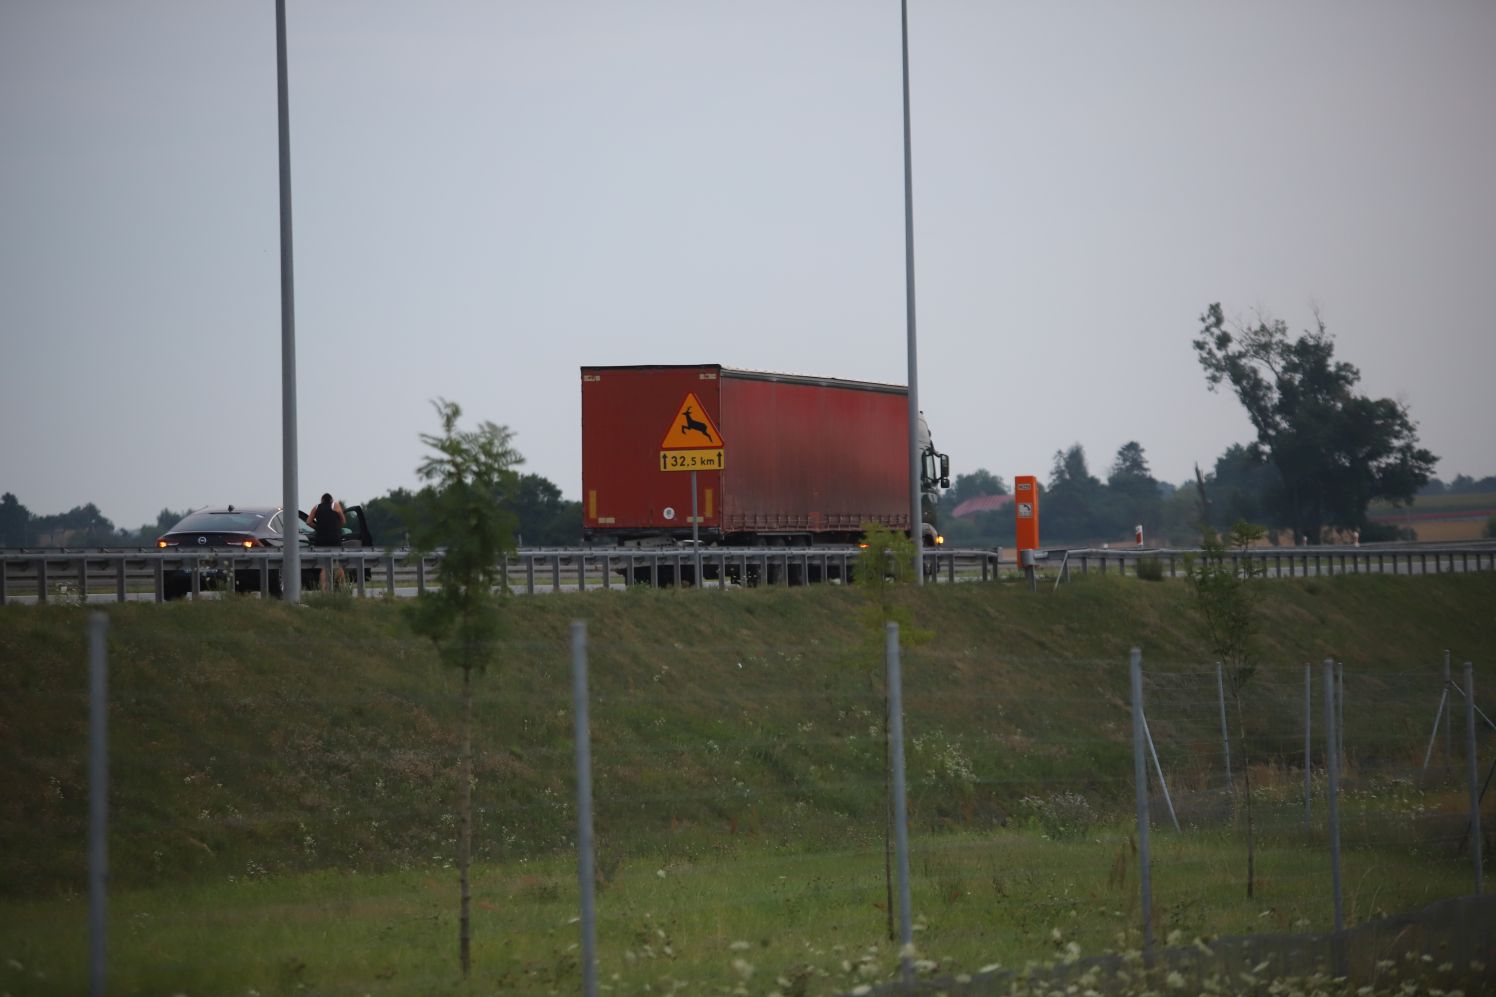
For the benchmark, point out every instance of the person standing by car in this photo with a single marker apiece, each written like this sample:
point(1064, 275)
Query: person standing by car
point(327, 522)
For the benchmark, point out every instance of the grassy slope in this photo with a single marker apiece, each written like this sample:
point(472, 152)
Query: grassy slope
point(738, 782)
point(246, 734)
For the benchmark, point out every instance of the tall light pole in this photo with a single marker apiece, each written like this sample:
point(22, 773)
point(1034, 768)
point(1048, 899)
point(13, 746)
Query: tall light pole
point(290, 528)
point(915, 518)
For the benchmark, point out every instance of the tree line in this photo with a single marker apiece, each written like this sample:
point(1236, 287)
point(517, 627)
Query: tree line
point(542, 519)
point(1322, 453)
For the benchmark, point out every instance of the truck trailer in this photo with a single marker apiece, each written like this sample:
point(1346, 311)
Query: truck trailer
point(778, 459)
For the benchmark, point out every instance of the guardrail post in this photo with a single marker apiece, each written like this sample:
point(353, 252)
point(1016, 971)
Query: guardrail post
point(160, 573)
point(555, 572)
point(197, 580)
point(83, 580)
point(264, 576)
point(420, 574)
point(4, 573)
point(41, 582)
point(119, 579)
point(363, 567)
point(607, 571)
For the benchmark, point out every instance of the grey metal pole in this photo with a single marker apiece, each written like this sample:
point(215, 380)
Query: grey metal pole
point(1140, 780)
point(290, 531)
point(1225, 736)
point(900, 809)
point(98, 802)
point(1473, 763)
point(1308, 726)
point(1332, 763)
point(586, 880)
point(916, 517)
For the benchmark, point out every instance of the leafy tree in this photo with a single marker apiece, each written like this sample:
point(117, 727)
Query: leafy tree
point(1075, 505)
point(81, 526)
point(469, 472)
point(1226, 601)
point(1335, 450)
point(15, 522)
point(545, 518)
point(1134, 492)
point(1242, 488)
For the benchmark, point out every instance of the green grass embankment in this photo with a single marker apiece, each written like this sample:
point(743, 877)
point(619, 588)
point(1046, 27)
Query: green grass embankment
point(324, 736)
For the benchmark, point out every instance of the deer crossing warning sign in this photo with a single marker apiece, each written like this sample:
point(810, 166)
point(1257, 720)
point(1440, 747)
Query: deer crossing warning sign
point(692, 442)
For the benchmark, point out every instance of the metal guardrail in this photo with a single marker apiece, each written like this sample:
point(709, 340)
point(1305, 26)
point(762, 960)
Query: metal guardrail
point(151, 575)
point(1299, 562)
point(101, 575)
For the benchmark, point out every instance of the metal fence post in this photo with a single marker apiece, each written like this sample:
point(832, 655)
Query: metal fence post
point(1332, 763)
point(586, 878)
point(1308, 725)
point(1474, 767)
point(1140, 780)
point(900, 811)
point(98, 802)
point(41, 582)
point(1225, 737)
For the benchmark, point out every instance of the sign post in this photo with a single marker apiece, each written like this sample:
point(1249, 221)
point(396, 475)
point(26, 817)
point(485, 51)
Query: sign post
point(1026, 523)
point(693, 444)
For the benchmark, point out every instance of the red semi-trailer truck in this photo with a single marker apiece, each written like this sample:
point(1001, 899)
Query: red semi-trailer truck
point(779, 458)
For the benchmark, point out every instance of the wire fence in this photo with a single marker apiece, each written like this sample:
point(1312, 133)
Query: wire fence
point(748, 800)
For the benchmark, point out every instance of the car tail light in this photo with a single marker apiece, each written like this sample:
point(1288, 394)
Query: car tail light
point(166, 543)
point(939, 539)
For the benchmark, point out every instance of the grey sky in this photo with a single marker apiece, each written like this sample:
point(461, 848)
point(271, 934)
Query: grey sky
point(490, 195)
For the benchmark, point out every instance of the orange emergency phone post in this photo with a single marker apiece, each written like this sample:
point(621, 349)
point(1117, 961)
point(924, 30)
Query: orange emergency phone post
point(1026, 513)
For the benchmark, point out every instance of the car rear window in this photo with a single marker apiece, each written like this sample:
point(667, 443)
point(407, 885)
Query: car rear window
point(219, 522)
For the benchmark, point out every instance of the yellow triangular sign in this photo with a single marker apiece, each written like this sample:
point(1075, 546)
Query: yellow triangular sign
point(692, 428)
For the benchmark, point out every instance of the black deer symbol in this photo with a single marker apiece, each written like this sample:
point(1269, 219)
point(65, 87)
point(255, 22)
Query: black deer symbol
point(691, 424)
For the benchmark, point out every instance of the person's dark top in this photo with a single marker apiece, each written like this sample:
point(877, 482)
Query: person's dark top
point(327, 526)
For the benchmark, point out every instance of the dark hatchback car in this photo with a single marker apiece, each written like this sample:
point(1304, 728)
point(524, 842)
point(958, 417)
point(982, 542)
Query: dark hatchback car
point(223, 532)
